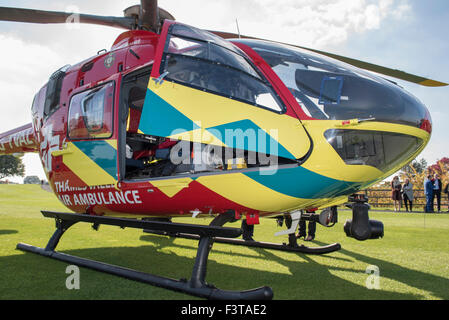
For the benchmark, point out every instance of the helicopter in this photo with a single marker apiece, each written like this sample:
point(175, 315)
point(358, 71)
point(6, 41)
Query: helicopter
point(176, 121)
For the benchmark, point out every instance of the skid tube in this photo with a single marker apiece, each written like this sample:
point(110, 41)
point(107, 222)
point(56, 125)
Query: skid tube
point(196, 286)
point(291, 246)
point(257, 244)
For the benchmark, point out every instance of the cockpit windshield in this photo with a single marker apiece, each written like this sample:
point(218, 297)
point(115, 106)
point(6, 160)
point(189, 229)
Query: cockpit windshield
point(328, 89)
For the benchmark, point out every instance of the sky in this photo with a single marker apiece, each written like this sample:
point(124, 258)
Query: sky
point(409, 35)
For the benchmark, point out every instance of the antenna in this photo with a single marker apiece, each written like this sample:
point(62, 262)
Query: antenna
point(238, 29)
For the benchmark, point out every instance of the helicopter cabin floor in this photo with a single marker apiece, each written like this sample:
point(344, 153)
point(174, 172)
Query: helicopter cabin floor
point(412, 258)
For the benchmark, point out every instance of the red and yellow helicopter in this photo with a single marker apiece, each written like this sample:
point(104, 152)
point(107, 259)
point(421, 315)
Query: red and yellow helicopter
point(176, 121)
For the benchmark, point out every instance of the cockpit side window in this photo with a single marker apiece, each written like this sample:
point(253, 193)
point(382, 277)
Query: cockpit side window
point(90, 113)
point(206, 62)
point(53, 93)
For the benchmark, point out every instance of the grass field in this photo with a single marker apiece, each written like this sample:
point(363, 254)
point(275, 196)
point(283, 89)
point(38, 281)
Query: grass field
point(413, 258)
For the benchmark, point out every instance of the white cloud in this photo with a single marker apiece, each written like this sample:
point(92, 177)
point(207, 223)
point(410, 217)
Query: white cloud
point(27, 69)
point(317, 23)
point(325, 23)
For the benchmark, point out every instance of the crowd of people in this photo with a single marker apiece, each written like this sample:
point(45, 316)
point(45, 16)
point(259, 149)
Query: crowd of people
point(433, 187)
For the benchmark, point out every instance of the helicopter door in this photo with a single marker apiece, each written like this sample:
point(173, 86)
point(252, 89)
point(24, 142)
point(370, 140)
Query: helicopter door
point(91, 150)
point(204, 89)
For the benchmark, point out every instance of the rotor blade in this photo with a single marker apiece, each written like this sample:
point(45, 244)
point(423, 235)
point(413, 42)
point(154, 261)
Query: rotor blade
point(41, 16)
point(357, 63)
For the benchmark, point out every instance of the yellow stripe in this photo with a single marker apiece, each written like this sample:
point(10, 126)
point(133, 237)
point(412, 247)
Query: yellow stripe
point(390, 127)
point(87, 170)
point(245, 191)
point(171, 187)
point(112, 143)
point(249, 193)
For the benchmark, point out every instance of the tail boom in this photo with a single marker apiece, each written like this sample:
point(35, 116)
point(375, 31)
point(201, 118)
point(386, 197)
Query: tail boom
point(19, 140)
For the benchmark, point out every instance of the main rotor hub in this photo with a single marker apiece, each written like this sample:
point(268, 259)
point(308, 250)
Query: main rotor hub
point(150, 18)
point(132, 12)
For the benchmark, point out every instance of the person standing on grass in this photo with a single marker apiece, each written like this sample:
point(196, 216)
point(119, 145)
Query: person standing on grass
point(407, 194)
point(396, 193)
point(446, 191)
point(428, 188)
point(437, 186)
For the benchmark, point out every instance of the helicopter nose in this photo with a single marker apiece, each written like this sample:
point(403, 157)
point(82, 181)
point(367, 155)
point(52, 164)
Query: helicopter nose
point(426, 122)
point(396, 136)
point(415, 113)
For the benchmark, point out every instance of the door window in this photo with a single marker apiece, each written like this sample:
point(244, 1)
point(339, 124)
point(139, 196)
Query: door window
point(91, 113)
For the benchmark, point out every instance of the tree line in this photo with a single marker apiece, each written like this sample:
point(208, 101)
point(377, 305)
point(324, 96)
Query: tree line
point(418, 170)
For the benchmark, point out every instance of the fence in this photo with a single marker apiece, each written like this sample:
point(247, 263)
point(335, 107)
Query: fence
point(381, 198)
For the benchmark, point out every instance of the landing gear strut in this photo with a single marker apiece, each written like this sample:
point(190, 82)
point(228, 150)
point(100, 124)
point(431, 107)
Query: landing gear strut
point(196, 286)
point(292, 246)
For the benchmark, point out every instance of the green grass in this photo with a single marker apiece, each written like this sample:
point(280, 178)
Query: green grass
point(413, 258)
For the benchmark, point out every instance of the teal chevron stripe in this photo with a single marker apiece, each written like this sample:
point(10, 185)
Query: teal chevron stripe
point(160, 118)
point(238, 135)
point(302, 183)
point(100, 152)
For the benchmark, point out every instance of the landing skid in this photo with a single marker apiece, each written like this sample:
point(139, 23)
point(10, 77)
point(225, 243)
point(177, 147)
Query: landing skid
point(196, 286)
point(256, 244)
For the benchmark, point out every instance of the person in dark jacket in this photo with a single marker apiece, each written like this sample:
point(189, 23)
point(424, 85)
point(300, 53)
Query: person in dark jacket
point(446, 191)
point(428, 188)
point(437, 186)
point(396, 193)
